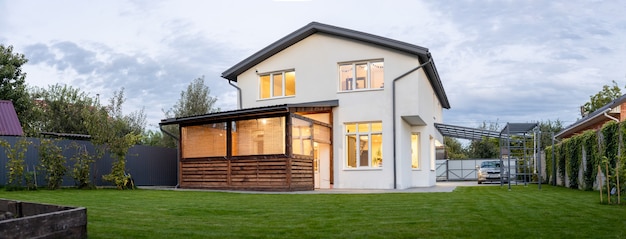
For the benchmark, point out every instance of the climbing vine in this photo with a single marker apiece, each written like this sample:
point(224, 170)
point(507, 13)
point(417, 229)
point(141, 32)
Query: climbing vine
point(561, 161)
point(604, 149)
point(611, 142)
point(590, 142)
point(548, 168)
point(574, 154)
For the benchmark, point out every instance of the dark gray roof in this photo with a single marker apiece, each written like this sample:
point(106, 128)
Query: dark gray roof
point(573, 128)
point(314, 27)
point(9, 123)
point(249, 112)
point(67, 135)
point(518, 128)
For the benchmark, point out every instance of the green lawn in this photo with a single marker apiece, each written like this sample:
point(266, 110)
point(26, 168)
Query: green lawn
point(476, 212)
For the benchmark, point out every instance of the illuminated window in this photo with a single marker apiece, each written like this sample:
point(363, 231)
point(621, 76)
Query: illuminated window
point(361, 75)
point(301, 137)
point(208, 140)
point(277, 84)
point(364, 145)
point(259, 136)
point(415, 150)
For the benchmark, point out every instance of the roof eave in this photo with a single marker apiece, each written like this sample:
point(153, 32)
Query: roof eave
point(598, 113)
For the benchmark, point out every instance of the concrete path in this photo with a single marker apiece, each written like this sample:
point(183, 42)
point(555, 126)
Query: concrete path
point(448, 186)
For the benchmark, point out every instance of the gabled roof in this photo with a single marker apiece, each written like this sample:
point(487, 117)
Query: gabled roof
point(591, 119)
point(9, 123)
point(314, 27)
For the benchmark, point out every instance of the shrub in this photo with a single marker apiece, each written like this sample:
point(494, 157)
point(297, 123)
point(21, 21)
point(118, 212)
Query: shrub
point(15, 164)
point(81, 169)
point(52, 163)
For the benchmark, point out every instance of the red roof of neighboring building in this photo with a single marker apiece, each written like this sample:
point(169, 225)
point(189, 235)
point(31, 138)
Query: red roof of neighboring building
point(9, 123)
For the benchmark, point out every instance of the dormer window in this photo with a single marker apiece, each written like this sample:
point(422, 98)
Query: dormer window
point(277, 84)
point(361, 75)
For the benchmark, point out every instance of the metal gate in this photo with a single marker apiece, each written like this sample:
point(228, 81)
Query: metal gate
point(461, 169)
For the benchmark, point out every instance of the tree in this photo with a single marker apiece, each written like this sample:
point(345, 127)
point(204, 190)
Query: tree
point(13, 85)
point(196, 100)
point(486, 147)
point(547, 128)
point(116, 133)
point(605, 96)
point(153, 138)
point(60, 109)
point(454, 148)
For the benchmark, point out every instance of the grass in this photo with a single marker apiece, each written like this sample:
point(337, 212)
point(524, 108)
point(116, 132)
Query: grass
point(468, 212)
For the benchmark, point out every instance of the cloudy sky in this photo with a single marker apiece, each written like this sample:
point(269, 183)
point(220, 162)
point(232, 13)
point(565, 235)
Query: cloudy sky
point(499, 61)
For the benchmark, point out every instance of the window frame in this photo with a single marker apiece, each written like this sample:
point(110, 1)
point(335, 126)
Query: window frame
point(353, 83)
point(370, 154)
point(272, 77)
point(301, 139)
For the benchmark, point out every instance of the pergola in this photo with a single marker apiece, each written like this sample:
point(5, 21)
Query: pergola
point(515, 140)
point(462, 132)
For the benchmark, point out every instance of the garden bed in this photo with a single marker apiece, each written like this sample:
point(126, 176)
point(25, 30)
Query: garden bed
point(34, 220)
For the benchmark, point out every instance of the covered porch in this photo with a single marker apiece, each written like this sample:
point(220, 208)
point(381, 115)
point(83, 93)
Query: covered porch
point(275, 148)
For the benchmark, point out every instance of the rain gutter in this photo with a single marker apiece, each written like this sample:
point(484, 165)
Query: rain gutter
point(238, 92)
point(177, 153)
point(393, 106)
point(610, 117)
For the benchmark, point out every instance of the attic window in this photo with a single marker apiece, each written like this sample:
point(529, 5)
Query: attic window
point(361, 75)
point(277, 84)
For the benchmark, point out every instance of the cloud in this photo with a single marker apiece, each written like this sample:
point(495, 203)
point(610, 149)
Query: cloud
point(153, 83)
point(515, 61)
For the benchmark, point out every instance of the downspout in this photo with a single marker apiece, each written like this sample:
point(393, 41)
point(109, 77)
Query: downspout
point(393, 106)
point(610, 117)
point(177, 153)
point(238, 92)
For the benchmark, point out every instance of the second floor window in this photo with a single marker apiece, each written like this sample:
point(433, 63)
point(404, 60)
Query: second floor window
point(361, 75)
point(277, 84)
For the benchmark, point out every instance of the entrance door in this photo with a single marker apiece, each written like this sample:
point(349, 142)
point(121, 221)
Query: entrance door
point(321, 165)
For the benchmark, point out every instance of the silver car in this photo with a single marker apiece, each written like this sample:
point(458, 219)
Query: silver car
point(491, 171)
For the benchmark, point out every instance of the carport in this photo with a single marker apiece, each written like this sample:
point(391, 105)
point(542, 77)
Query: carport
point(517, 141)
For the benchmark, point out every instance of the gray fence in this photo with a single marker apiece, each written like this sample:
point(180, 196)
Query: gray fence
point(148, 166)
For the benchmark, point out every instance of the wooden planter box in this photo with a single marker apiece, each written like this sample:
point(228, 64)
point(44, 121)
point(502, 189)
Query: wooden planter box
point(33, 220)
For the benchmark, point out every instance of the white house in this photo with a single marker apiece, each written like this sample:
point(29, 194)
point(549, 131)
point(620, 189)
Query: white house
point(359, 107)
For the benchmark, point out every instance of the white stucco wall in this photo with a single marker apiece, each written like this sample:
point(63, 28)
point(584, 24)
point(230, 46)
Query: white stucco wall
point(315, 61)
